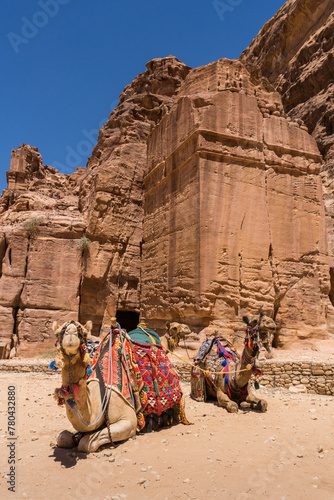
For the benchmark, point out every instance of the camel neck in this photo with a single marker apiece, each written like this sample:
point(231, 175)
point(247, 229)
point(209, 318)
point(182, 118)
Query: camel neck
point(244, 369)
point(73, 371)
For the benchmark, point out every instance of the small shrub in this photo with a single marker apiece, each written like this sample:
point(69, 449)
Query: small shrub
point(84, 244)
point(32, 226)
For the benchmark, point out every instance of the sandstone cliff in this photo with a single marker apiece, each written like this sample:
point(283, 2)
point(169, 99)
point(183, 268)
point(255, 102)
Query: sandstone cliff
point(295, 51)
point(45, 275)
point(201, 201)
point(234, 217)
point(40, 262)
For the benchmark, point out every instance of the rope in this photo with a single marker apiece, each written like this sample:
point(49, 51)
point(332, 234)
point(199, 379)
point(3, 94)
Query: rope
point(107, 394)
point(201, 369)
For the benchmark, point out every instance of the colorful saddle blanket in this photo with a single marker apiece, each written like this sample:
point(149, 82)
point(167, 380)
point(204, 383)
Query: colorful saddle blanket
point(154, 384)
point(134, 392)
point(161, 382)
point(214, 355)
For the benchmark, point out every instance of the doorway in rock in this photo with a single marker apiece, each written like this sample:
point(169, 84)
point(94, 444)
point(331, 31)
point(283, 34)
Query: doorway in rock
point(127, 319)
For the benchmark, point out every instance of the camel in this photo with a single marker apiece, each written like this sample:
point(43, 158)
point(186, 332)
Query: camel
point(83, 398)
point(174, 332)
point(229, 383)
point(85, 417)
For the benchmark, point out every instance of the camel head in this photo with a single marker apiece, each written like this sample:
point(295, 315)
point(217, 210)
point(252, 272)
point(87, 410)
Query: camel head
point(71, 335)
point(261, 330)
point(177, 329)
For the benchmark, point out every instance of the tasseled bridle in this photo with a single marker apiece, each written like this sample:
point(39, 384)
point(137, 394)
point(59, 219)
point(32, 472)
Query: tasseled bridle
point(72, 388)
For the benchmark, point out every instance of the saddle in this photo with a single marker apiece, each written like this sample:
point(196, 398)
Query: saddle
point(210, 360)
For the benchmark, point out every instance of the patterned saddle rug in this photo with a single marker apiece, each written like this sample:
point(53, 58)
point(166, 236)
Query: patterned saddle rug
point(161, 382)
point(214, 355)
point(132, 392)
point(154, 384)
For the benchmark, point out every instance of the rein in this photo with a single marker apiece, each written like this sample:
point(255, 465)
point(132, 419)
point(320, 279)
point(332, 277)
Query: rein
point(106, 397)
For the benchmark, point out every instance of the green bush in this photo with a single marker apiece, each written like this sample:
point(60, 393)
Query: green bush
point(32, 226)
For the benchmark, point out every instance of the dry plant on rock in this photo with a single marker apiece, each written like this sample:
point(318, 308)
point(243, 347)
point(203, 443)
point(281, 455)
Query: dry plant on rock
point(32, 226)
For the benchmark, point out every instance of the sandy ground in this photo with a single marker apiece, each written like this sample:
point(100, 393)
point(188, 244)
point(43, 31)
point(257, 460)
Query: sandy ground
point(286, 453)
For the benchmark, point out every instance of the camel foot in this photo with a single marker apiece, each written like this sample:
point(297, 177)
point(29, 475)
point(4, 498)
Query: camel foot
point(261, 405)
point(92, 442)
point(232, 407)
point(67, 439)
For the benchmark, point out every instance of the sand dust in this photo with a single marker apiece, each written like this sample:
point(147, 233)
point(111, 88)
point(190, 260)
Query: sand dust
point(286, 453)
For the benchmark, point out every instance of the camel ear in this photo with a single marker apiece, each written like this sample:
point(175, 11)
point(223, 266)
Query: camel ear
point(245, 320)
point(88, 326)
point(167, 325)
point(55, 327)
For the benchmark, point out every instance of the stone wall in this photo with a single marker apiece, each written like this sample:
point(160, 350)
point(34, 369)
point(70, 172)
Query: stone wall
point(314, 377)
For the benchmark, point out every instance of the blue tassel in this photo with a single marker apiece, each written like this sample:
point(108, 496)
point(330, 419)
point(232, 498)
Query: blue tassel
point(224, 362)
point(89, 370)
point(53, 366)
point(71, 403)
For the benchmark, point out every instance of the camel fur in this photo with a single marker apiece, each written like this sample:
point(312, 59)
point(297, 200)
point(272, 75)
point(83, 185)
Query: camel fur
point(83, 397)
point(230, 393)
point(122, 416)
point(174, 332)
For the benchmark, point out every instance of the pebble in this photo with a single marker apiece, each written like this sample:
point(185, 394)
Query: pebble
point(34, 438)
point(143, 469)
point(142, 480)
point(313, 417)
point(186, 480)
point(320, 456)
point(320, 449)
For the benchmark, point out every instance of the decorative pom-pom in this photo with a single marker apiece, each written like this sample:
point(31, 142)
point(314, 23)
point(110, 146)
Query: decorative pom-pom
point(86, 359)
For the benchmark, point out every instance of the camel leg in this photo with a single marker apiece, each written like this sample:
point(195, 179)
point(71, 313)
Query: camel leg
point(67, 438)
point(119, 431)
point(225, 402)
point(256, 403)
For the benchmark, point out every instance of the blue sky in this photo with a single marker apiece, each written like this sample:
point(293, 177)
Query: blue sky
point(64, 63)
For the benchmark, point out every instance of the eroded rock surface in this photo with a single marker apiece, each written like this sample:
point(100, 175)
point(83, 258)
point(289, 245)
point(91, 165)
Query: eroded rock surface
point(234, 217)
point(45, 276)
point(295, 51)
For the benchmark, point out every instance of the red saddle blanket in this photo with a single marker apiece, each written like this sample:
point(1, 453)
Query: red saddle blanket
point(132, 392)
point(154, 384)
point(161, 382)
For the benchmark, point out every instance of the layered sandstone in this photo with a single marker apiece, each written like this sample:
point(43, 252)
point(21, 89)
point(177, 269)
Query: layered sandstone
point(45, 276)
point(40, 261)
point(234, 216)
point(111, 195)
point(295, 51)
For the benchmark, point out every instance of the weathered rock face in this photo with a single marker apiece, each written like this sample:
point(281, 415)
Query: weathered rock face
point(234, 217)
point(45, 276)
point(295, 51)
point(40, 260)
point(111, 195)
point(233, 220)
